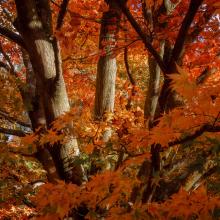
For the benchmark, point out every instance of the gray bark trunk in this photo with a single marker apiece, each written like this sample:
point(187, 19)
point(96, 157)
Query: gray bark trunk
point(34, 107)
point(151, 107)
point(34, 24)
point(107, 67)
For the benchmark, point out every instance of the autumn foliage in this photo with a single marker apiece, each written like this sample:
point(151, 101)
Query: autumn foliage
point(165, 168)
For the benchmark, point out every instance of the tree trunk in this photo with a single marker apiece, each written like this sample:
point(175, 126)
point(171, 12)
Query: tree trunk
point(34, 107)
point(107, 67)
point(34, 24)
point(151, 107)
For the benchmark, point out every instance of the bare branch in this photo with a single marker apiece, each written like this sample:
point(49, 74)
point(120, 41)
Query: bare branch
point(13, 119)
point(197, 133)
point(197, 175)
point(98, 54)
point(76, 15)
point(142, 35)
point(7, 58)
point(131, 79)
point(181, 37)
point(8, 131)
point(205, 74)
point(12, 36)
point(63, 10)
point(4, 65)
point(200, 25)
point(151, 108)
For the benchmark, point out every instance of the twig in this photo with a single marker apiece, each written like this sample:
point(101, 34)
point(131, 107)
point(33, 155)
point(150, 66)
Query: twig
point(73, 14)
point(98, 54)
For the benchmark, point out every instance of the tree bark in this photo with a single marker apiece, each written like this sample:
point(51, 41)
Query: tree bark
point(130, 77)
point(34, 25)
point(107, 67)
point(151, 107)
point(34, 108)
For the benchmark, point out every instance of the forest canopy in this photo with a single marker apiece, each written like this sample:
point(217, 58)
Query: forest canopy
point(110, 109)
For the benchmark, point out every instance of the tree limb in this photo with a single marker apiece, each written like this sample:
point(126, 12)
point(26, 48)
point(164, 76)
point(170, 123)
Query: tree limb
point(4, 65)
point(151, 107)
point(205, 74)
point(12, 119)
point(76, 15)
point(131, 79)
point(197, 133)
point(142, 35)
point(8, 131)
point(12, 36)
point(181, 37)
point(7, 58)
point(98, 54)
point(200, 27)
point(197, 175)
point(61, 15)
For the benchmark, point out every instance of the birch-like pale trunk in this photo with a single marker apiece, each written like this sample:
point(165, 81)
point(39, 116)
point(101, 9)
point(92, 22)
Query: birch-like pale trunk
point(151, 107)
point(34, 107)
point(107, 67)
point(34, 25)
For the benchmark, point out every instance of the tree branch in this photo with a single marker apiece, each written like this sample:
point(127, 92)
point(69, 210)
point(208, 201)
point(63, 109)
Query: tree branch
point(142, 35)
point(196, 176)
point(7, 58)
point(12, 119)
point(98, 54)
point(8, 131)
point(61, 15)
point(76, 15)
point(181, 37)
point(200, 25)
point(12, 36)
point(4, 65)
point(131, 79)
point(205, 74)
point(197, 133)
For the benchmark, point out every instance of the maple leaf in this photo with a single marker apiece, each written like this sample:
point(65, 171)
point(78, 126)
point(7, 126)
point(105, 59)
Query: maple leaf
point(182, 83)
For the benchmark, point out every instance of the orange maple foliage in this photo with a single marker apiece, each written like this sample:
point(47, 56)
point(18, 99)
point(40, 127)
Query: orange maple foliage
point(190, 132)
